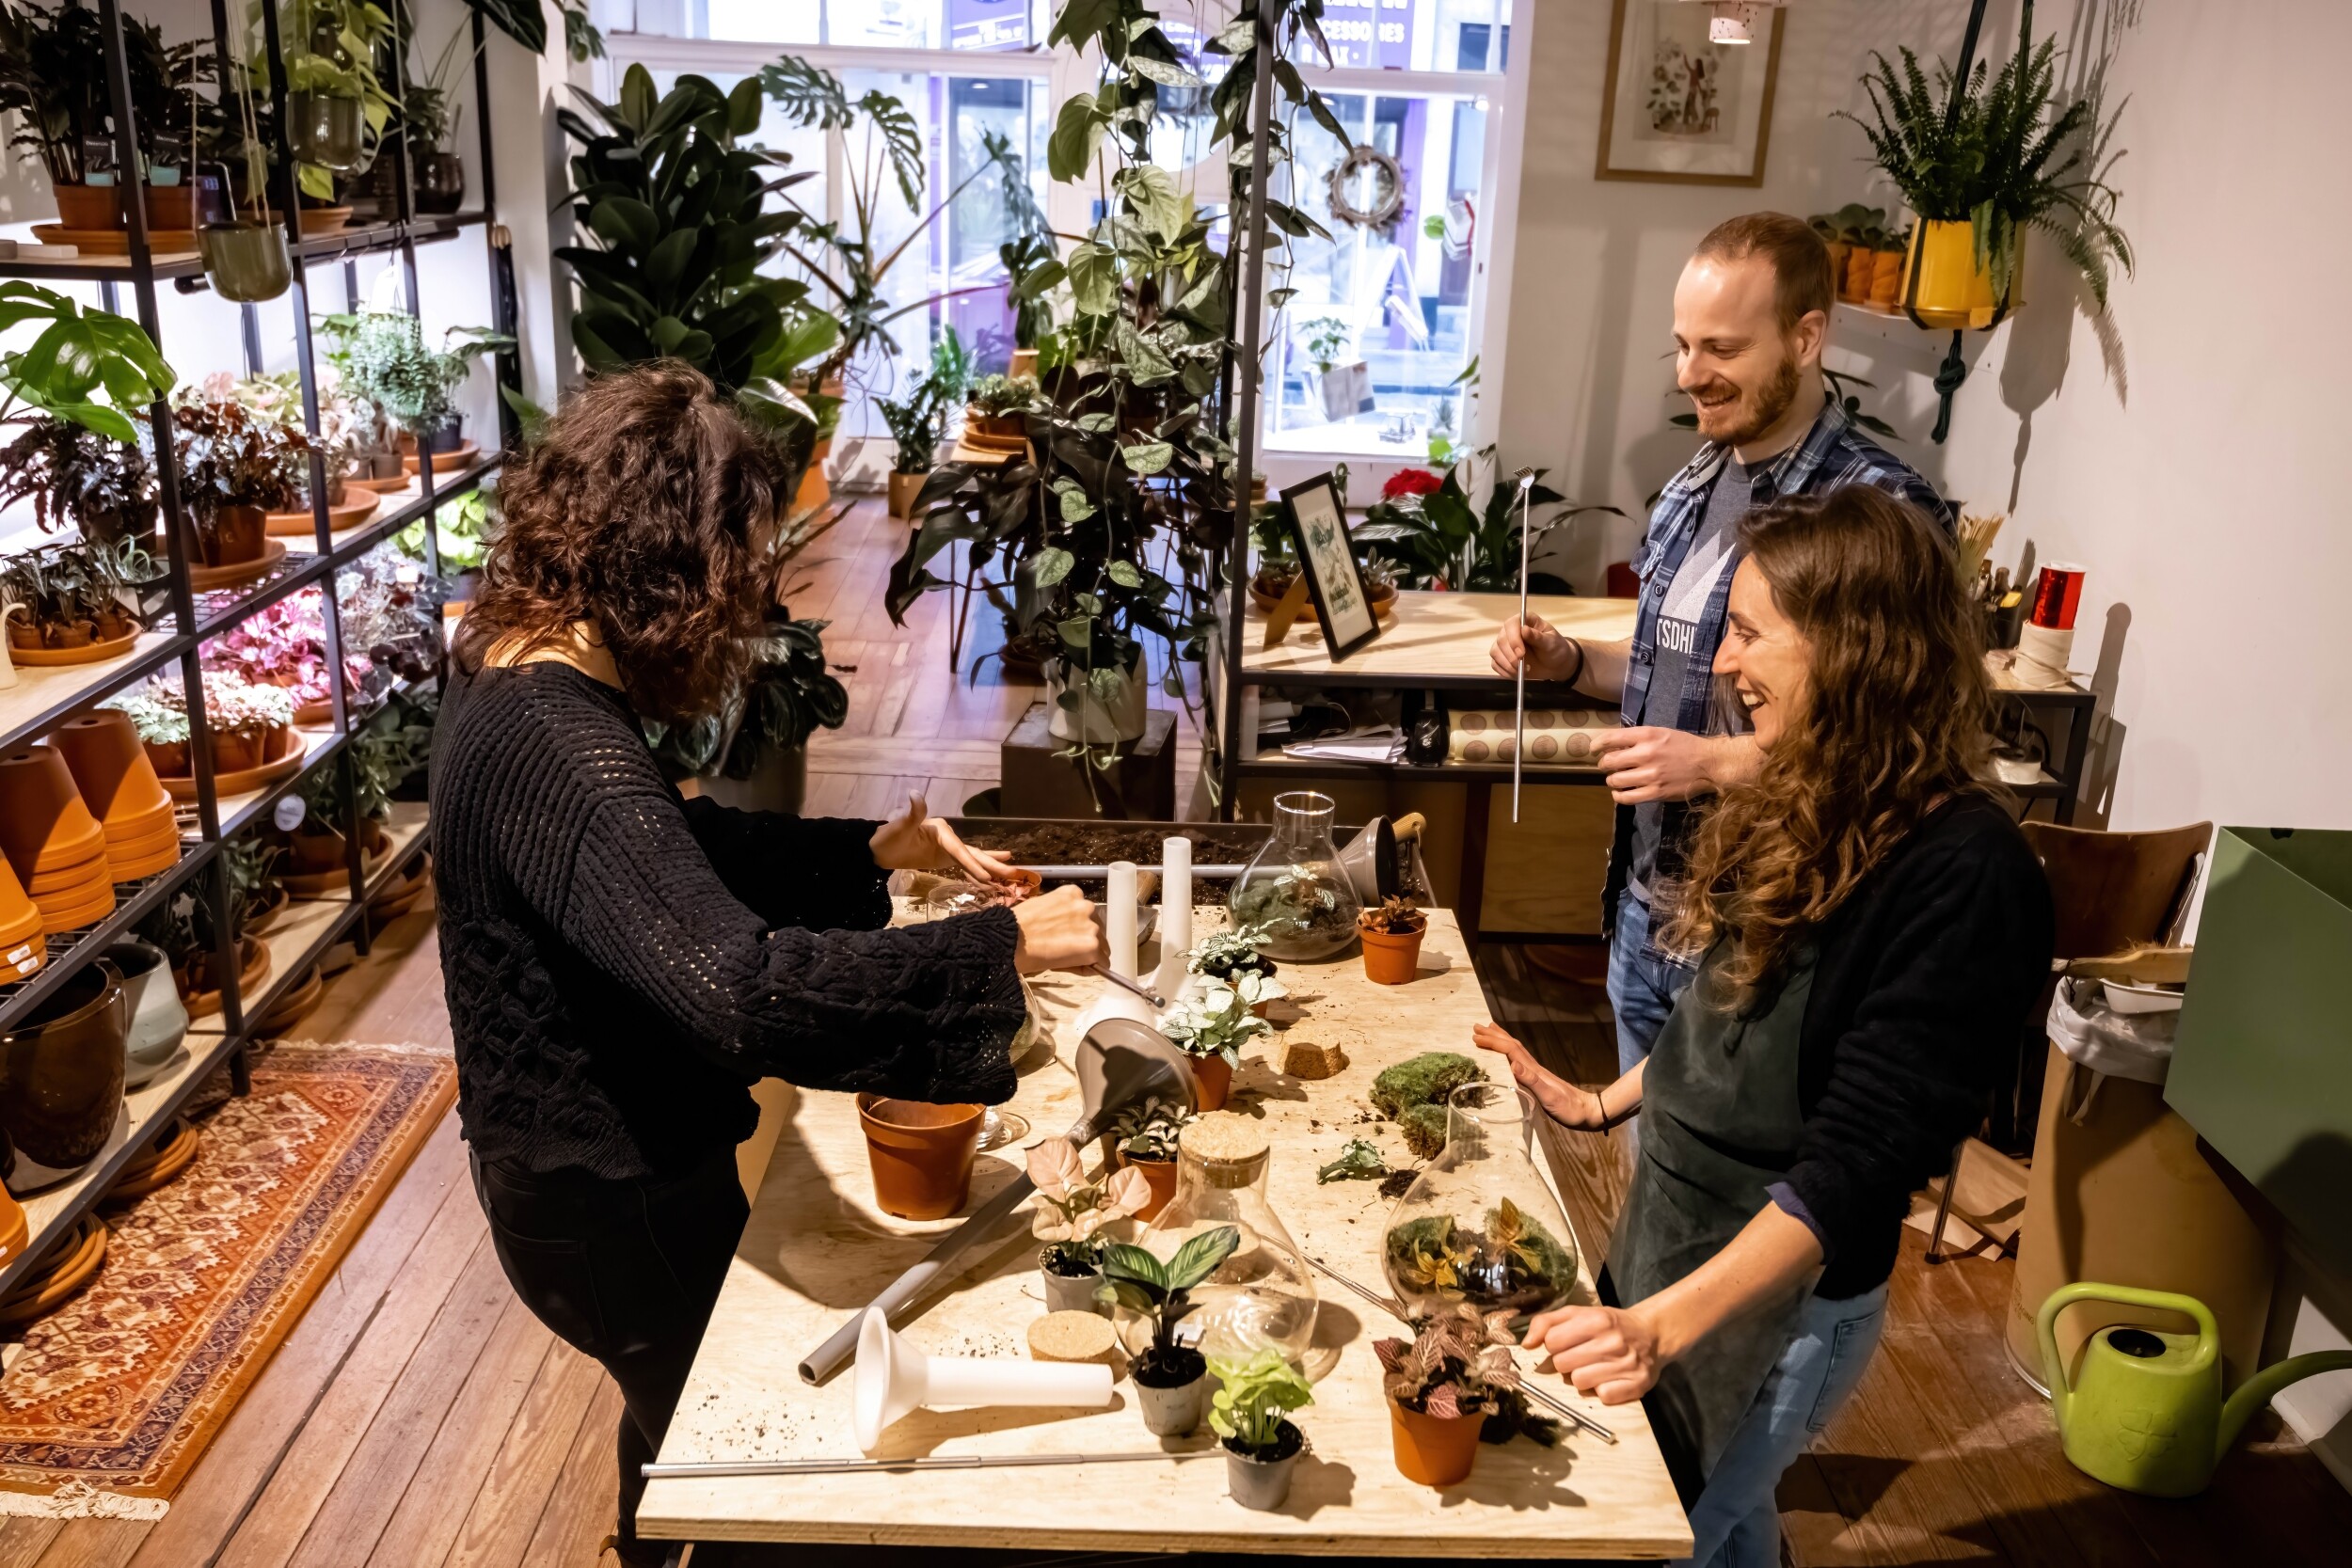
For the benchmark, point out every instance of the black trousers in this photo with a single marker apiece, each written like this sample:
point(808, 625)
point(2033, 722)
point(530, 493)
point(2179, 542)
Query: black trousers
point(625, 1272)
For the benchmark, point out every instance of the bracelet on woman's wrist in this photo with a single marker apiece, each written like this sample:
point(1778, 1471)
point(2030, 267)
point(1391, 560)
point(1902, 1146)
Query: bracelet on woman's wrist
point(1579, 674)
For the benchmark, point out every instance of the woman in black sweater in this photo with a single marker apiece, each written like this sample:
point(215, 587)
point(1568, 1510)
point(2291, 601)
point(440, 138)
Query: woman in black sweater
point(1870, 930)
point(622, 964)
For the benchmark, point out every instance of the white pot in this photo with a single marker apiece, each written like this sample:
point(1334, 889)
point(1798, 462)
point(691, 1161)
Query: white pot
point(1096, 721)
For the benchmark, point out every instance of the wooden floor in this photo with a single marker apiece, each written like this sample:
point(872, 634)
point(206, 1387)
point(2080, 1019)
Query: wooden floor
point(417, 1417)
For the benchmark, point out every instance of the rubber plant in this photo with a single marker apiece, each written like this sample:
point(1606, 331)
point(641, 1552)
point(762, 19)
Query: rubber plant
point(2011, 158)
point(1104, 539)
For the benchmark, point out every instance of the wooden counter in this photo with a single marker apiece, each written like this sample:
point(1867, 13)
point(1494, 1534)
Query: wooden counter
point(816, 1249)
point(1435, 640)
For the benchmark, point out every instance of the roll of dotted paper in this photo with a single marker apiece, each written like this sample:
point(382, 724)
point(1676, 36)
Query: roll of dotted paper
point(1560, 738)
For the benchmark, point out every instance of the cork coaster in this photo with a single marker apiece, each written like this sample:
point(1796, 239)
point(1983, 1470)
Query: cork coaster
point(1072, 1337)
point(1223, 1137)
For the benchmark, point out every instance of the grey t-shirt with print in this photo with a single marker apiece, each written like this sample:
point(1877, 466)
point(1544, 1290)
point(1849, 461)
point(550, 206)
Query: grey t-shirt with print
point(1681, 607)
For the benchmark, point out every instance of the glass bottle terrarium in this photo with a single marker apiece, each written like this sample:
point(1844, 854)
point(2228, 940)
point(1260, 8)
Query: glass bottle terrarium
point(1293, 894)
point(1479, 1227)
point(1264, 1293)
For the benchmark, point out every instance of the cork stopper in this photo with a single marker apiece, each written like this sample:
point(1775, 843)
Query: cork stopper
point(1229, 1149)
point(1072, 1337)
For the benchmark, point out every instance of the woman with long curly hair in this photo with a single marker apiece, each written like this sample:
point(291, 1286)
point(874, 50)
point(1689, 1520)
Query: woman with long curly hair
point(1870, 929)
point(622, 964)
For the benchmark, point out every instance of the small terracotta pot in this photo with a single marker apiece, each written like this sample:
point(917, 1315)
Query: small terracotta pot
point(110, 768)
point(23, 948)
point(69, 634)
point(61, 1075)
point(1886, 278)
point(43, 824)
point(235, 750)
point(1160, 1175)
point(170, 210)
point(1213, 1080)
point(89, 207)
point(921, 1154)
point(238, 534)
point(1391, 958)
point(1431, 1452)
point(169, 759)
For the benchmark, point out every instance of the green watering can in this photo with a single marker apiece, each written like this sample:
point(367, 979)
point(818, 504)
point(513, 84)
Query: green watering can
point(2147, 1413)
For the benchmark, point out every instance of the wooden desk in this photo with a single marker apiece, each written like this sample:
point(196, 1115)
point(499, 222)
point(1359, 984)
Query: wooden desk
point(816, 1249)
point(1436, 640)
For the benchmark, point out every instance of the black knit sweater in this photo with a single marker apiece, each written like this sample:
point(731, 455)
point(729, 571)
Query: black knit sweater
point(622, 964)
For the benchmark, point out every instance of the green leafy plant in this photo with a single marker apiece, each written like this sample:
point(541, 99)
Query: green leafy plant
point(1217, 1020)
point(1458, 1365)
point(71, 592)
point(787, 696)
point(1002, 395)
point(230, 456)
point(1162, 1292)
point(72, 475)
point(2011, 158)
point(429, 109)
point(1250, 1407)
point(79, 358)
point(1327, 338)
point(461, 529)
point(1360, 1160)
point(394, 743)
point(1442, 540)
point(919, 423)
point(526, 23)
point(1149, 1128)
point(383, 353)
point(1227, 955)
point(47, 77)
point(1509, 1264)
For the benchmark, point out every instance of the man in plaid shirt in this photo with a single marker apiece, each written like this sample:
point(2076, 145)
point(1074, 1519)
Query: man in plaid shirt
point(1751, 315)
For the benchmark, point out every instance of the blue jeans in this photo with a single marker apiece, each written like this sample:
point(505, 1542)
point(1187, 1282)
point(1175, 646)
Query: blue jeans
point(1642, 982)
point(1736, 1523)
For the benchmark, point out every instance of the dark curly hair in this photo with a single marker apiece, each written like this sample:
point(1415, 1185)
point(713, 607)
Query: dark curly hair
point(1896, 720)
point(643, 510)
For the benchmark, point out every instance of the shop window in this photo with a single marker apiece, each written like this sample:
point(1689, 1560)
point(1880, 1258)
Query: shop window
point(961, 24)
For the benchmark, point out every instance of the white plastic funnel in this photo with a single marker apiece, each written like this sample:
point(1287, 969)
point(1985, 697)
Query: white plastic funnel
point(894, 1379)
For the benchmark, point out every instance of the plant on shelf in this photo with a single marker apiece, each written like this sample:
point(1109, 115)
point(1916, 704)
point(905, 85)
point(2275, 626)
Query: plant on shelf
point(848, 259)
point(1161, 1292)
point(462, 529)
point(337, 106)
point(76, 391)
point(1227, 956)
point(390, 617)
point(71, 592)
point(346, 422)
point(1326, 339)
point(430, 115)
point(104, 488)
point(1251, 1413)
point(1070, 1213)
point(235, 465)
point(163, 82)
point(383, 353)
point(919, 423)
point(47, 55)
point(246, 722)
point(1999, 154)
point(393, 742)
point(284, 644)
point(1439, 539)
point(678, 211)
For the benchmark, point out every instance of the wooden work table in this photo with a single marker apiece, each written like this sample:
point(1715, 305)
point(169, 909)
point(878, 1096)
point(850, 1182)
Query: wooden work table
point(816, 1249)
point(1433, 639)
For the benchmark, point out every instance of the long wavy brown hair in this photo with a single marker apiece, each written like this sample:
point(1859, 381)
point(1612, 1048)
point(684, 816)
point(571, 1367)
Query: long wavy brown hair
point(1894, 721)
point(645, 510)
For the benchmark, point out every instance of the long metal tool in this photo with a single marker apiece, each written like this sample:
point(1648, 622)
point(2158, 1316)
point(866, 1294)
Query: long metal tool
point(1542, 1396)
point(1102, 873)
point(933, 1461)
point(1116, 979)
point(1525, 479)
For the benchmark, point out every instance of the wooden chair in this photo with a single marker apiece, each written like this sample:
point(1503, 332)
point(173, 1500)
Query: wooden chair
point(2109, 891)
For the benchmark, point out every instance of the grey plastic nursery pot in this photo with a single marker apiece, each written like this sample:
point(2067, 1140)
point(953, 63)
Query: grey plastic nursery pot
point(1070, 1293)
point(1261, 1483)
point(1170, 1412)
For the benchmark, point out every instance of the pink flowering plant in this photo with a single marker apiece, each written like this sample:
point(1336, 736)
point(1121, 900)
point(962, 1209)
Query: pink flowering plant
point(283, 644)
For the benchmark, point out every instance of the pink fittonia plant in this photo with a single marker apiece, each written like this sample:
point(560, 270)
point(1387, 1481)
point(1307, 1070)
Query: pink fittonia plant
point(283, 644)
point(1071, 1209)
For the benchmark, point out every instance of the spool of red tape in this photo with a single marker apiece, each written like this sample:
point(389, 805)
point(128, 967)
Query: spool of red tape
point(2058, 592)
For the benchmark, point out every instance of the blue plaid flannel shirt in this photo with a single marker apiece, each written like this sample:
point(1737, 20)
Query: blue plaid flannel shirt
point(1833, 453)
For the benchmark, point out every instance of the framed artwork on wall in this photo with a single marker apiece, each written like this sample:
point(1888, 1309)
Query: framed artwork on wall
point(1679, 110)
point(1319, 530)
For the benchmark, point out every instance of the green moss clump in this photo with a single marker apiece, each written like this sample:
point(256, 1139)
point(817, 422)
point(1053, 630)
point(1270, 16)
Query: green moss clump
point(1513, 1265)
point(1423, 1079)
point(1423, 1127)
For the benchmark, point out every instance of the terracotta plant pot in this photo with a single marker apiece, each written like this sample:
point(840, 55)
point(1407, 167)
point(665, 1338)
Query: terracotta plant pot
point(1213, 1080)
point(1161, 1174)
point(14, 1232)
point(921, 1154)
point(43, 824)
point(238, 534)
point(61, 1076)
point(1431, 1452)
point(110, 768)
point(1391, 958)
point(816, 488)
point(201, 991)
point(23, 948)
point(1886, 278)
point(1854, 282)
point(169, 759)
point(89, 207)
point(235, 750)
point(170, 211)
point(246, 262)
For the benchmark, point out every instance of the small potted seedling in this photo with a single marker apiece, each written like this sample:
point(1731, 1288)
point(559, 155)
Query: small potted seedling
point(1170, 1380)
point(1391, 935)
point(1261, 1444)
point(1070, 1214)
point(1442, 1385)
point(1143, 1137)
point(1211, 1025)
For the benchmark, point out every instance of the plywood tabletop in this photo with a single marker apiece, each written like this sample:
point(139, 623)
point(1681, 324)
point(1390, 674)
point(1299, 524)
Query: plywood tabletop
point(1432, 637)
point(816, 1249)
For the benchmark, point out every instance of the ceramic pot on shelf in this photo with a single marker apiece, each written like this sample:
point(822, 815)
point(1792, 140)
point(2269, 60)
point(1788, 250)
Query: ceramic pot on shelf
point(89, 207)
point(1941, 265)
point(61, 1077)
point(327, 131)
point(921, 1154)
point(159, 1020)
point(246, 261)
point(238, 534)
point(440, 183)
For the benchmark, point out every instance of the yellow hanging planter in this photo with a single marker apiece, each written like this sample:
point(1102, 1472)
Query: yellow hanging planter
point(1942, 283)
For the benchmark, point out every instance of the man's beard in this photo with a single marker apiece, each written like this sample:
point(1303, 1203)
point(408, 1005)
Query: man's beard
point(1772, 400)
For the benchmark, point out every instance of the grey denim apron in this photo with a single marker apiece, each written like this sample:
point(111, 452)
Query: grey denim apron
point(1719, 1123)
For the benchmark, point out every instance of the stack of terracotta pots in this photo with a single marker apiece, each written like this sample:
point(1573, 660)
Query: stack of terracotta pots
point(55, 845)
point(119, 785)
point(23, 948)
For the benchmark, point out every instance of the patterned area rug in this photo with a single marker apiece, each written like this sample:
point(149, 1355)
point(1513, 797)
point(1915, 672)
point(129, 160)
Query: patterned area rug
point(113, 1396)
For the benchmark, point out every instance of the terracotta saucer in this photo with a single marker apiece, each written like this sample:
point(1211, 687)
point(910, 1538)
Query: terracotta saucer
point(90, 653)
point(398, 897)
point(245, 779)
point(72, 1263)
point(456, 460)
point(204, 580)
point(297, 1003)
point(352, 507)
point(156, 1164)
point(261, 920)
point(318, 884)
point(255, 953)
point(383, 487)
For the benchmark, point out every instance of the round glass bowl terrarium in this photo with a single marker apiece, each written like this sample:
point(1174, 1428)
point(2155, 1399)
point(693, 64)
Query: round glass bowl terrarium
point(1294, 894)
point(1478, 1227)
point(1263, 1294)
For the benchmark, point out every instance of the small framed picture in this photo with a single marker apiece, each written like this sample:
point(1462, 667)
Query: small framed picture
point(1679, 109)
point(1319, 527)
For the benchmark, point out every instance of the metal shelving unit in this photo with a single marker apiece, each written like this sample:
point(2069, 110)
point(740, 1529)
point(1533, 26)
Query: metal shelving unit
point(46, 698)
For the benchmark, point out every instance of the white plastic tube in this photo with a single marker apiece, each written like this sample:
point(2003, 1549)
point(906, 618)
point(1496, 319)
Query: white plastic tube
point(1175, 915)
point(1119, 917)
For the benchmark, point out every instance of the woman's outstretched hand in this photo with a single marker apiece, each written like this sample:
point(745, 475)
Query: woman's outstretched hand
point(1611, 1352)
point(917, 841)
point(1057, 931)
point(1564, 1101)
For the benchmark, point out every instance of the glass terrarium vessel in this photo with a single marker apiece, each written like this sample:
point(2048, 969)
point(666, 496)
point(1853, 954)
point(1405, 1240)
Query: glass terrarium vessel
point(1264, 1293)
point(1478, 1227)
point(1294, 896)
